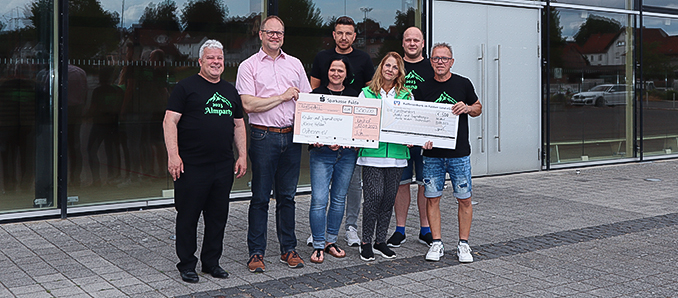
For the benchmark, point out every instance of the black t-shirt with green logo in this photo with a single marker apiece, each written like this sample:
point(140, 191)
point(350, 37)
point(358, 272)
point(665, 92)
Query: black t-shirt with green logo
point(455, 89)
point(361, 66)
point(205, 130)
point(417, 73)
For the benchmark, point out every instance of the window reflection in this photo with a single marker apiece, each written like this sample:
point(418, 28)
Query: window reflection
point(131, 54)
point(26, 105)
point(591, 86)
point(379, 25)
point(600, 3)
point(660, 72)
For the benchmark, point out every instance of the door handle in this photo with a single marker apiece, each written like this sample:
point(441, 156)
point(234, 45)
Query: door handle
point(483, 91)
point(498, 60)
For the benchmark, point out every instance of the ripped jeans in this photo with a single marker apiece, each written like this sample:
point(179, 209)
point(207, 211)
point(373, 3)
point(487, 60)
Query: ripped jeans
point(459, 169)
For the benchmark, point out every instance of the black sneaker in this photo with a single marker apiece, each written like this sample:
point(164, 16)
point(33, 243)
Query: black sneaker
point(366, 253)
point(384, 250)
point(426, 239)
point(396, 240)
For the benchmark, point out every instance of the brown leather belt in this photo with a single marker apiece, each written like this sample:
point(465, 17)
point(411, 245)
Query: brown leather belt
point(273, 129)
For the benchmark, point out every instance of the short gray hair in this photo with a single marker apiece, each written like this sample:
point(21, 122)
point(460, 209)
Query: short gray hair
point(442, 45)
point(210, 44)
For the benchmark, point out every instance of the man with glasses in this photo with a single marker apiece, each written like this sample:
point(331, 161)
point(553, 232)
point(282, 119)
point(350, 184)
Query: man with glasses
point(418, 70)
point(269, 82)
point(458, 91)
point(362, 71)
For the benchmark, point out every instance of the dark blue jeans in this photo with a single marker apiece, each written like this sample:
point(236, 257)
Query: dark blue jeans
point(275, 165)
point(327, 168)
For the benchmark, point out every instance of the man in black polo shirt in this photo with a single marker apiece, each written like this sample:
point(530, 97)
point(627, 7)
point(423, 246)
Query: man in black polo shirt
point(203, 119)
point(360, 76)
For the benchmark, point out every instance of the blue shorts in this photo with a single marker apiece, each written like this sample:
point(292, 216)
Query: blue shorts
point(415, 166)
point(460, 175)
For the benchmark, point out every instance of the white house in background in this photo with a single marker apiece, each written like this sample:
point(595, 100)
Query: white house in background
point(606, 49)
point(190, 46)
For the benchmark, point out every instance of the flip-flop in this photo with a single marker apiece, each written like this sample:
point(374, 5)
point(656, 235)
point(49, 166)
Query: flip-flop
point(318, 253)
point(336, 252)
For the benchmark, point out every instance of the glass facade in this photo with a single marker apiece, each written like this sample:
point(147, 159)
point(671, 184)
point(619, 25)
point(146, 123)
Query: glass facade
point(124, 59)
point(27, 105)
point(659, 127)
point(591, 85)
point(612, 81)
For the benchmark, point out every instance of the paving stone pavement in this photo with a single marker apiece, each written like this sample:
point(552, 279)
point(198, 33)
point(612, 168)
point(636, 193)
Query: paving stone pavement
point(604, 231)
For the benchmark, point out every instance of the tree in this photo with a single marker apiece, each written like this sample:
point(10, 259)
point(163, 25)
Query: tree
point(556, 40)
point(393, 42)
point(92, 31)
point(303, 28)
point(596, 25)
point(204, 17)
point(161, 16)
point(655, 64)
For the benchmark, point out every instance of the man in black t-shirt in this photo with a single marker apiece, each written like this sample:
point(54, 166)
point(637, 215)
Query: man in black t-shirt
point(458, 91)
point(418, 70)
point(361, 63)
point(203, 119)
point(361, 74)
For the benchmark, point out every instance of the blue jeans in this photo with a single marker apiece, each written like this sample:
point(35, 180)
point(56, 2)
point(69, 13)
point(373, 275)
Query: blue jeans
point(275, 165)
point(459, 169)
point(335, 168)
point(415, 166)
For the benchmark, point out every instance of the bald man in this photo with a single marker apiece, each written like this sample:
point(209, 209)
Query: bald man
point(418, 70)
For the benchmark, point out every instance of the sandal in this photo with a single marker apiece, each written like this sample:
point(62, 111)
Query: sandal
point(319, 256)
point(337, 252)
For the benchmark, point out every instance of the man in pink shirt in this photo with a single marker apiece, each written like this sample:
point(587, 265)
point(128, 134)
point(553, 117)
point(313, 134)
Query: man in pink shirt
point(269, 82)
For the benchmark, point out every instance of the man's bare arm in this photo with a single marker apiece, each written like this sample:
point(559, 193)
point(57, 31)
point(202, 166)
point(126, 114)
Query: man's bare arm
point(174, 163)
point(254, 104)
point(240, 139)
point(315, 82)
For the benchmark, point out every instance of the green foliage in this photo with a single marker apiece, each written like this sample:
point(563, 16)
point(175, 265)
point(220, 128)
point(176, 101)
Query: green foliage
point(162, 16)
point(556, 40)
point(655, 64)
point(303, 28)
point(596, 25)
point(92, 30)
point(204, 16)
point(393, 43)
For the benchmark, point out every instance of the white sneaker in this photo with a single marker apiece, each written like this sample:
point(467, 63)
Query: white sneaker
point(464, 253)
point(309, 241)
point(352, 237)
point(435, 252)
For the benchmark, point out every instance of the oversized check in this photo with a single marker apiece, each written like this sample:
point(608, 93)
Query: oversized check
point(415, 122)
point(341, 120)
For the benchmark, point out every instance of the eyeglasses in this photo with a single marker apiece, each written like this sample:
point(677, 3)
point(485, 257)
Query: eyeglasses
point(271, 33)
point(441, 59)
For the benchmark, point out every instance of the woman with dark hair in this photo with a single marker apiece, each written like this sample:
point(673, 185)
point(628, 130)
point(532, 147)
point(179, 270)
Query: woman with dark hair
point(383, 166)
point(330, 165)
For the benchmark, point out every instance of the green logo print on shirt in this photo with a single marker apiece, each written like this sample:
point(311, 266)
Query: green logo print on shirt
point(216, 105)
point(411, 80)
point(446, 98)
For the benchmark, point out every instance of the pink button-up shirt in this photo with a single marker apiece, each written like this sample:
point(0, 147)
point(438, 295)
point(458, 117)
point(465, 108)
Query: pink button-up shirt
point(262, 76)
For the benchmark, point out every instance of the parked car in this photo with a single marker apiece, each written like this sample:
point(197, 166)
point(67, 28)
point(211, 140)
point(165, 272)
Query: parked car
point(601, 95)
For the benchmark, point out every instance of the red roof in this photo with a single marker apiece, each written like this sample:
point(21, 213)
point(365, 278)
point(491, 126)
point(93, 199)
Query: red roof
point(598, 43)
